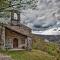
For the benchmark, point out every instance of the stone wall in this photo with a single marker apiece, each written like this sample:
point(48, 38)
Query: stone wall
point(3, 38)
point(10, 35)
point(29, 43)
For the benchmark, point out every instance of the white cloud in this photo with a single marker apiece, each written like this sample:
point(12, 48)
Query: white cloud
point(45, 11)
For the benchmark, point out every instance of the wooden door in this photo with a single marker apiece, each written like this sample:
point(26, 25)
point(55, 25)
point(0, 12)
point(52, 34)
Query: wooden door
point(15, 43)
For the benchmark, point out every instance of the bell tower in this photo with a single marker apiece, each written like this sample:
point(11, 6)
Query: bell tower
point(15, 17)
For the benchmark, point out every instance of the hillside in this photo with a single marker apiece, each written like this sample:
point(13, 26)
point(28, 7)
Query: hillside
point(26, 55)
point(49, 47)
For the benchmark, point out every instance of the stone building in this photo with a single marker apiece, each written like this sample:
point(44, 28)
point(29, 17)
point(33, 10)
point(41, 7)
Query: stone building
point(15, 35)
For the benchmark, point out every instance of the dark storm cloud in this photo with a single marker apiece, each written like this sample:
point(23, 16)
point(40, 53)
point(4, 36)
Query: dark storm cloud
point(44, 23)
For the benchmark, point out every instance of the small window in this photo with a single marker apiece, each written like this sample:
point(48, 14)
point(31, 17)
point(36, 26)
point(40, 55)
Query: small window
point(15, 16)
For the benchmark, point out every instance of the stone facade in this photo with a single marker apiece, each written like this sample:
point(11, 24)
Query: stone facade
point(8, 36)
point(3, 38)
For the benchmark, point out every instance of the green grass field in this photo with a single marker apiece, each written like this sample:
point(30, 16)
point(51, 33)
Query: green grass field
point(26, 55)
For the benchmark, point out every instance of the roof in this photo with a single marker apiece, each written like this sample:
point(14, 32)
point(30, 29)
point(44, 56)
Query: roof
point(22, 29)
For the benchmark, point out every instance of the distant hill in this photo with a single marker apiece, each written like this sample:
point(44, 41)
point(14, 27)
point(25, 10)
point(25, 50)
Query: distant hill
point(50, 38)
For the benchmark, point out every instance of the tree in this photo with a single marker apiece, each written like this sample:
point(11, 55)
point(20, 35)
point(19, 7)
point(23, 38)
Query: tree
point(20, 4)
point(16, 4)
point(3, 4)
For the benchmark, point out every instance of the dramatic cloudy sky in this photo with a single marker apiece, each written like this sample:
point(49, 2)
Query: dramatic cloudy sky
point(45, 16)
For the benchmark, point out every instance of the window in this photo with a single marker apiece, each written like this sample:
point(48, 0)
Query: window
point(15, 16)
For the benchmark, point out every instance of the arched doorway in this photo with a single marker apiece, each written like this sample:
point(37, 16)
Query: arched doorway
point(15, 43)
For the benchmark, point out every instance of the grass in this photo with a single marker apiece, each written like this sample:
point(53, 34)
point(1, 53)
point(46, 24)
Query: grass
point(51, 48)
point(26, 55)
